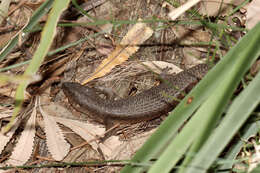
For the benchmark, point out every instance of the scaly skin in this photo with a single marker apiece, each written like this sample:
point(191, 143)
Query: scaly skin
point(147, 105)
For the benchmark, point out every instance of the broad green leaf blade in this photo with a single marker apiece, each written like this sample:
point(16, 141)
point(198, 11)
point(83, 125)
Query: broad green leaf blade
point(210, 112)
point(237, 114)
point(159, 140)
point(230, 85)
point(47, 36)
point(206, 117)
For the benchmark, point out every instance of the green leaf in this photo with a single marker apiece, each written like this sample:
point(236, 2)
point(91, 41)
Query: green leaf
point(237, 114)
point(238, 59)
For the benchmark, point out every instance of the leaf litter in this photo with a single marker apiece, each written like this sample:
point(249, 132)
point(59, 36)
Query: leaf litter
point(52, 113)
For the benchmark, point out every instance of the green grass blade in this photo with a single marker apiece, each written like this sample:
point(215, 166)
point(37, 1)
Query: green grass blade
point(42, 10)
point(210, 112)
point(9, 47)
point(37, 14)
point(47, 36)
point(50, 53)
point(159, 140)
point(237, 114)
point(14, 66)
point(206, 117)
point(248, 131)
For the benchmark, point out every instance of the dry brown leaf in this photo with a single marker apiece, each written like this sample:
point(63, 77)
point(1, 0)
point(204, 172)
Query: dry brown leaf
point(59, 110)
point(254, 160)
point(114, 148)
point(24, 147)
point(157, 66)
point(135, 36)
point(127, 150)
point(11, 58)
point(6, 137)
point(4, 171)
point(124, 150)
point(190, 36)
point(110, 146)
point(56, 142)
point(212, 8)
point(4, 6)
point(190, 57)
point(255, 68)
point(8, 90)
point(5, 113)
point(16, 79)
point(87, 131)
point(21, 18)
point(253, 14)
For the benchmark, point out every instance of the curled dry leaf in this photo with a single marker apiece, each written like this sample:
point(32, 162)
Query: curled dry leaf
point(135, 36)
point(56, 142)
point(24, 147)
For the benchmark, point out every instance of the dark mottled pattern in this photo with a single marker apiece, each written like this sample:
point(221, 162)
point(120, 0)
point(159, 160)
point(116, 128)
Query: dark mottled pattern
point(144, 106)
